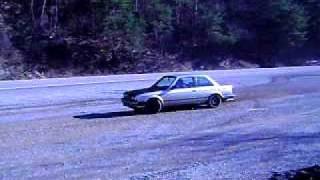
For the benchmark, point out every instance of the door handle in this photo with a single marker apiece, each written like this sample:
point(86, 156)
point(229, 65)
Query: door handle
point(194, 90)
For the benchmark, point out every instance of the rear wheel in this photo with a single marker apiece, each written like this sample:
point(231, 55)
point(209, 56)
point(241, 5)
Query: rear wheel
point(214, 101)
point(154, 106)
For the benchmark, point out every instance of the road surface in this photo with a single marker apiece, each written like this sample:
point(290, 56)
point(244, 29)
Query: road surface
point(76, 128)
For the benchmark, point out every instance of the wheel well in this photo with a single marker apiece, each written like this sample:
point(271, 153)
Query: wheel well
point(150, 104)
point(155, 98)
point(216, 94)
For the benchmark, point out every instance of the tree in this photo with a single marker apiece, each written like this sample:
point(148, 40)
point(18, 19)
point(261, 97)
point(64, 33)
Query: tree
point(157, 16)
point(312, 8)
point(276, 27)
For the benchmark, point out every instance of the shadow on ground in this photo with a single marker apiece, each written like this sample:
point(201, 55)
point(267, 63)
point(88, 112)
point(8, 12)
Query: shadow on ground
point(305, 173)
point(110, 115)
point(106, 115)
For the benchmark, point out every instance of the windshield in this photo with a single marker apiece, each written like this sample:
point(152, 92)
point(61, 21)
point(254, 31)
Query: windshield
point(164, 82)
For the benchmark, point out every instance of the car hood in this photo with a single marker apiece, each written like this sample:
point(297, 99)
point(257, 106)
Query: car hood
point(142, 91)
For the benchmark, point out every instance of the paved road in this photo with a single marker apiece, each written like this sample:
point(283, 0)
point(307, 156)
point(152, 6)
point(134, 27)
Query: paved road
point(76, 128)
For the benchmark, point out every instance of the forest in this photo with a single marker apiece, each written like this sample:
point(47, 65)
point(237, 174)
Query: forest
point(55, 38)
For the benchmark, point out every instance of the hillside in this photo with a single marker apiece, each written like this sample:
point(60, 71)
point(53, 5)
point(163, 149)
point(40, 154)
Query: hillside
point(54, 38)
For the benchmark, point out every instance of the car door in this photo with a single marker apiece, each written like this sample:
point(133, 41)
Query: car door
point(204, 88)
point(182, 93)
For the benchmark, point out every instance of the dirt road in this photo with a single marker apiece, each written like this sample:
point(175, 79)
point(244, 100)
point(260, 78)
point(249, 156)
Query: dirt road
point(81, 131)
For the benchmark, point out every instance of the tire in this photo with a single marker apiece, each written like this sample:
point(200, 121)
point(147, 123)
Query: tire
point(153, 106)
point(214, 101)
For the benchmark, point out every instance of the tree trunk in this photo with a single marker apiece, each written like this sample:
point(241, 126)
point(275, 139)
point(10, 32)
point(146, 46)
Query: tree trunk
point(57, 16)
point(31, 10)
point(136, 5)
point(177, 12)
point(43, 7)
point(42, 11)
point(196, 6)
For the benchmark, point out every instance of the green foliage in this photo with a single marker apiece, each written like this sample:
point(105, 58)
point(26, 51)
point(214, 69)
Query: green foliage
point(122, 25)
point(215, 18)
point(312, 8)
point(290, 21)
point(116, 31)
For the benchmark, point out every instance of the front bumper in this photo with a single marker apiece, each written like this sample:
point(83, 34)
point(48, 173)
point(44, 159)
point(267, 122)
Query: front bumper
point(132, 104)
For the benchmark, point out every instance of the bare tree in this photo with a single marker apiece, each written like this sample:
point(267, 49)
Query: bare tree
point(196, 6)
point(43, 7)
point(31, 10)
point(42, 11)
point(136, 5)
point(57, 16)
point(178, 4)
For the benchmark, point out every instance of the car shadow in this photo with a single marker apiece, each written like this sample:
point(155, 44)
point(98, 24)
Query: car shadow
point(110, 115)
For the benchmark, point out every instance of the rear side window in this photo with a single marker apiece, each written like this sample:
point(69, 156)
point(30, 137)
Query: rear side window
point(203, 81)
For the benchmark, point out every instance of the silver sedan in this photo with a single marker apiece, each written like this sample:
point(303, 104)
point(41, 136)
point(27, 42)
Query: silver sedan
point(177, 90)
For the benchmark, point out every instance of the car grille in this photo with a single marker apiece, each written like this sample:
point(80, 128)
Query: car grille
point(129, 98)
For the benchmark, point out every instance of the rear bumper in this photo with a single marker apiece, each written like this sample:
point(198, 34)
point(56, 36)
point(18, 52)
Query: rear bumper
point(132, 104)
point(230, 97)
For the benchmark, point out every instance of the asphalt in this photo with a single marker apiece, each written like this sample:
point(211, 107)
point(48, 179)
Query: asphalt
point(76, 128)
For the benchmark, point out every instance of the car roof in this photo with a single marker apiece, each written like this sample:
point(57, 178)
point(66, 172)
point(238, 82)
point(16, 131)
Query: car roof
point(187, 75)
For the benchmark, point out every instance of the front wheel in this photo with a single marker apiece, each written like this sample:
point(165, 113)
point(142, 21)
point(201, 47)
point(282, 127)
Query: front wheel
point(214, 101)
point(153, 106)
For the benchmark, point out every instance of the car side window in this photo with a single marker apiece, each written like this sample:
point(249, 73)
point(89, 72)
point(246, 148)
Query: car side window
point(203, 81)
point(186, 82)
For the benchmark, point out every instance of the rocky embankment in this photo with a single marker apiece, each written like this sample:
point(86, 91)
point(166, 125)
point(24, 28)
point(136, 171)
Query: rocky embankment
point(11, 66)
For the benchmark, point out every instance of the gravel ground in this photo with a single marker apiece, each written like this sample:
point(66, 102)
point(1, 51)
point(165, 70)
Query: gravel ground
point(58, 133)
